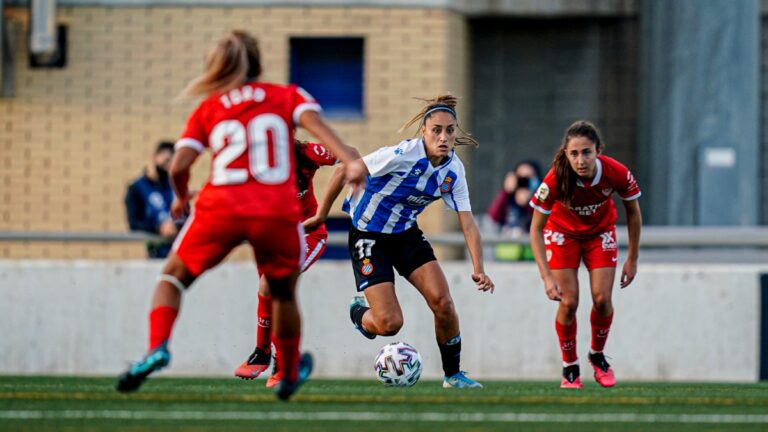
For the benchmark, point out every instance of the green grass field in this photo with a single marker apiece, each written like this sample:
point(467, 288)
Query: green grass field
point(92, 404)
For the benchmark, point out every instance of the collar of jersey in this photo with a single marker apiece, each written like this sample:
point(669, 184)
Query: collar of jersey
point(598, 174)
point(429, 164)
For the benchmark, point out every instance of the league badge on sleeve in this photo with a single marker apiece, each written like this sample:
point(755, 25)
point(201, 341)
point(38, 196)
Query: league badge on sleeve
point(367, 268)
point(543, 192)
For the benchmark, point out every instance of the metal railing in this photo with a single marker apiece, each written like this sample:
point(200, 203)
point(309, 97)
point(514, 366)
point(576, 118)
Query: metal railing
point(652, 237)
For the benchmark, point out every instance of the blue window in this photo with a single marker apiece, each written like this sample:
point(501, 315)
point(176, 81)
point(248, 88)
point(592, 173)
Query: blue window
point(331, 69)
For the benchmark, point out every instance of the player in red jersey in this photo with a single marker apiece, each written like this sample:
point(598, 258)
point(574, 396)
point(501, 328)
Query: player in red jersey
point(250, 196)
point(575, 220)
point(309, 158)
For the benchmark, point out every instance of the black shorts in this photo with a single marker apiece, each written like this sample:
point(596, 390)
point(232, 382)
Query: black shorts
point(375, 254)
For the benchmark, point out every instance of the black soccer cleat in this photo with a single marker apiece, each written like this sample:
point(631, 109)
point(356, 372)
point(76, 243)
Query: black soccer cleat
point(155, 360)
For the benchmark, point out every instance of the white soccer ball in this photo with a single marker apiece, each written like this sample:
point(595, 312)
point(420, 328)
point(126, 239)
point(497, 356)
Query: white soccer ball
point(398, 365)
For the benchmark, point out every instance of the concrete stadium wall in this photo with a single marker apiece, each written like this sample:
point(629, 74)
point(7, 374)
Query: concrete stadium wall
point(675, 322)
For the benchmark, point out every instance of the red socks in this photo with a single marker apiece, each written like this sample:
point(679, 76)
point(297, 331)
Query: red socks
point(264, 326)
point(567, 336)
point(601, 325)
point(288, 360)
point(161, 321)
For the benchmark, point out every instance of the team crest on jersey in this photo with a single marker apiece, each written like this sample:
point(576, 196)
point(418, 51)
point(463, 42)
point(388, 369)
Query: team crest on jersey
point(447, 185)
point(367, 268)
point(607, 191)
point(543, 192)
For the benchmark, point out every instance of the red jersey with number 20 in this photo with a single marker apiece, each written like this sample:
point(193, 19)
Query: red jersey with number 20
point(592, 210)
point(249, 131)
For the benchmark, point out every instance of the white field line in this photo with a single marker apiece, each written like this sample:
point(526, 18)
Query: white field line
point(381, 416)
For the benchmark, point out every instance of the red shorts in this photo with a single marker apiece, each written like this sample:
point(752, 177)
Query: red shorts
point(566, 252)
point(278, 245)
point(315, 243)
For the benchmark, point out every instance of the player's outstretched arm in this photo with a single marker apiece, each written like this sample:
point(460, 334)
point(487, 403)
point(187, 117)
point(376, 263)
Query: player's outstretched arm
point(332, 191)
point(540, 254)
point(314, 124)
point(182, 161)
point(475, 246)
point(634, 225)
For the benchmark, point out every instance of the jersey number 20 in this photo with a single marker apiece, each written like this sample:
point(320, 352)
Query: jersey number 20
point(229, 139)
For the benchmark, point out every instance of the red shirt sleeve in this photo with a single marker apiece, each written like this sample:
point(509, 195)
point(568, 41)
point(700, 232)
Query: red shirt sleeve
point(302, 101)
point(318, 154)
point(546, 195)
point(194, 135)
point(626, 185)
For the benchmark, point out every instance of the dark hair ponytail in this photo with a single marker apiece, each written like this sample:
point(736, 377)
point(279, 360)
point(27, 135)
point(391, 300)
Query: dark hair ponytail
point(565, 175)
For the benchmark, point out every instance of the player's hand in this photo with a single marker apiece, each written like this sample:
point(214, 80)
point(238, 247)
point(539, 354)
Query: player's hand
point(180, 207)
point(354, 174)
point(552, 290)
point(312, 223)
point(168, 229)
point(483, 282)
point(628, 272)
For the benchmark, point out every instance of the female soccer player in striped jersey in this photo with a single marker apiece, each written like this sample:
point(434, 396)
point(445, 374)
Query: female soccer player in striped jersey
point(575, 220)
point(402, 180)
point(249, 196)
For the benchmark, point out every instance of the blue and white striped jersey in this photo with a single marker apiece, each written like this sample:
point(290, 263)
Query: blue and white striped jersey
point(401, 184)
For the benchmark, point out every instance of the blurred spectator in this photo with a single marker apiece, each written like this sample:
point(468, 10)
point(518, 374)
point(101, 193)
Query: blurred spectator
point(510, 212)
point(510, 209)
point(148, 202)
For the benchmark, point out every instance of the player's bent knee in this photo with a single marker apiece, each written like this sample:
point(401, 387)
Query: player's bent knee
point(569, 305)
point(282, 289)
point(601, 302)
point(444, 309)
point(390, 326)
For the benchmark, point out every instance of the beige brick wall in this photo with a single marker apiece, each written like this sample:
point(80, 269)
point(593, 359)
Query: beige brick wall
point(72, 139)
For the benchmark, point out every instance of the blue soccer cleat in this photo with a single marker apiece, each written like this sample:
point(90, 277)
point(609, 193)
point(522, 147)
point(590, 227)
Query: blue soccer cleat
point(359, 302)
point(460, 380)
point(155, 360)
point(286, 389)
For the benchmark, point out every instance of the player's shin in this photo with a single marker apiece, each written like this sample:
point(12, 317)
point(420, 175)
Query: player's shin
point(450, 354)
point(264, 325)
point(601, 326)
point(567, 337)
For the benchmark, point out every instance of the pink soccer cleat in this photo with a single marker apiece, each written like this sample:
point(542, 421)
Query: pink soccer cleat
point(257, 363)
point(603, 372)
point(571, 377)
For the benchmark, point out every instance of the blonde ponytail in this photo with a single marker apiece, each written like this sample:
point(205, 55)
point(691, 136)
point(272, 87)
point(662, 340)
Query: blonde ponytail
point(234, 59)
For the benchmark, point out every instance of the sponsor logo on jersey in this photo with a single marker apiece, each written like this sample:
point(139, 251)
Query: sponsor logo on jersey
point(417, 200)
point(367, 268)
point(609, 242)
point(588, 210)
point(447, 185)
point(543, 192)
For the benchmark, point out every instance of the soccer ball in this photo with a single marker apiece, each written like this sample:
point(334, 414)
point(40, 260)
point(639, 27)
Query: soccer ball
point(398, 365)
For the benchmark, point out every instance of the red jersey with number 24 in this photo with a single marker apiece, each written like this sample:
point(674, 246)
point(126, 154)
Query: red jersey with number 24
point(591, 210)
point(249, 131)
